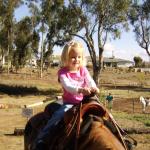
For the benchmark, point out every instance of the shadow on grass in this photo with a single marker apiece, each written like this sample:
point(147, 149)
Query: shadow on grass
point(23, 90)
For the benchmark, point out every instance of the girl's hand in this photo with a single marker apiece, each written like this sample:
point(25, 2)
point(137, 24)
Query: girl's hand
point(95, 90)
point(84, 91)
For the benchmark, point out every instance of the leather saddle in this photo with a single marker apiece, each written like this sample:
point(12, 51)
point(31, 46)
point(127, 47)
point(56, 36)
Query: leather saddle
point(74, 117)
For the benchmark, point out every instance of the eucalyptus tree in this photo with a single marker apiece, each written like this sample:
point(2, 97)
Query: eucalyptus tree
point(3, 33)
point(138, 61)
point(3, 45)
point(25, 43)
point(35, 19)
point(39, 24)
point(140, 20)
point(60, 23)
point(52, 12)
point(63, 23)
point(101, 19)
point(22, 42)
point(9, 7)
point(53, 24)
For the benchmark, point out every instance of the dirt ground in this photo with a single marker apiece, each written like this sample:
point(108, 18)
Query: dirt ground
point(133, 106)
point(129, 105)
point(11, 118)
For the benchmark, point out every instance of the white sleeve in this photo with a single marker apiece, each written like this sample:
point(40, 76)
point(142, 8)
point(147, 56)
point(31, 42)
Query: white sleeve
point(68, 85)
point(89, 80)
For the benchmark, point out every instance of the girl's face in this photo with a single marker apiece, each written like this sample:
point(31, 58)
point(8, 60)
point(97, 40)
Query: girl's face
point(75, 59)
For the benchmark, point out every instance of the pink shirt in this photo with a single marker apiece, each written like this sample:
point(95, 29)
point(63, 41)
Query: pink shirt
point(71, 81)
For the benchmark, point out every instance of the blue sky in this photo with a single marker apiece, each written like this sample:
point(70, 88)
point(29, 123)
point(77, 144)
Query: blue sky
point(125, 47)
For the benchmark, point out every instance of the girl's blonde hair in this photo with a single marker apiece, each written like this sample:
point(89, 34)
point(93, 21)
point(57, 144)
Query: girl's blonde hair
point(66, 50)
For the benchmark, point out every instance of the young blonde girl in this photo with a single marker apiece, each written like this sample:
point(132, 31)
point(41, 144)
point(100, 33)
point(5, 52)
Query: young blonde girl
point(75, 81)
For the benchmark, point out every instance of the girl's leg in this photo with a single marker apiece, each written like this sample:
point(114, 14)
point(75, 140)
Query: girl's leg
point(40, 142)
point(55, 119)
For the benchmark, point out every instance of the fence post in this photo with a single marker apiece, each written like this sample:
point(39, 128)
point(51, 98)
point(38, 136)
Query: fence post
point(133, 105)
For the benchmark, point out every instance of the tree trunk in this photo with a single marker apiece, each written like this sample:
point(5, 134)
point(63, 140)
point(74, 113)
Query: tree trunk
point(3, 57)
point(8, 53)
point(96, 72)
point(42, 43)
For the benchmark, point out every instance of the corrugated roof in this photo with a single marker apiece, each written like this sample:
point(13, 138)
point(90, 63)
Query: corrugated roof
point(111, 59)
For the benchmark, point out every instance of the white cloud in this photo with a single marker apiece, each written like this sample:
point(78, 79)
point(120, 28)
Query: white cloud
point(109, 50)
point(109, 47)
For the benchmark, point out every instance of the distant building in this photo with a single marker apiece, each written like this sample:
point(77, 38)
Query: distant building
point(117, 62)
point(55, 63)
point(32, 62)
point(113, 62)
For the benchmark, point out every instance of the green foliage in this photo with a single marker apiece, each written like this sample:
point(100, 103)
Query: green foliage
point(140, 19)
point(35, 42)
point(143, 119)
point(23, 40)
point(102, 19)
point(3, 38)
point(7, 22)
point(138, 61)
point(48, 19)
point(61, 20)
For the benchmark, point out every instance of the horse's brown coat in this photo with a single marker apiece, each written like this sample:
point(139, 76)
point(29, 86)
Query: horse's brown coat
point(98, 138)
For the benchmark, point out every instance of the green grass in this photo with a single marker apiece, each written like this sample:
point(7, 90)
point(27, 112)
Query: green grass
point(142, 118)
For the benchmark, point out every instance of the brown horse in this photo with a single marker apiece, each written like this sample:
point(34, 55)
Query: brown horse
point(90, 128)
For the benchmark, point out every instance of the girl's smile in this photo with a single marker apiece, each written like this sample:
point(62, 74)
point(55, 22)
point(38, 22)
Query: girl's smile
point(75, 59)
